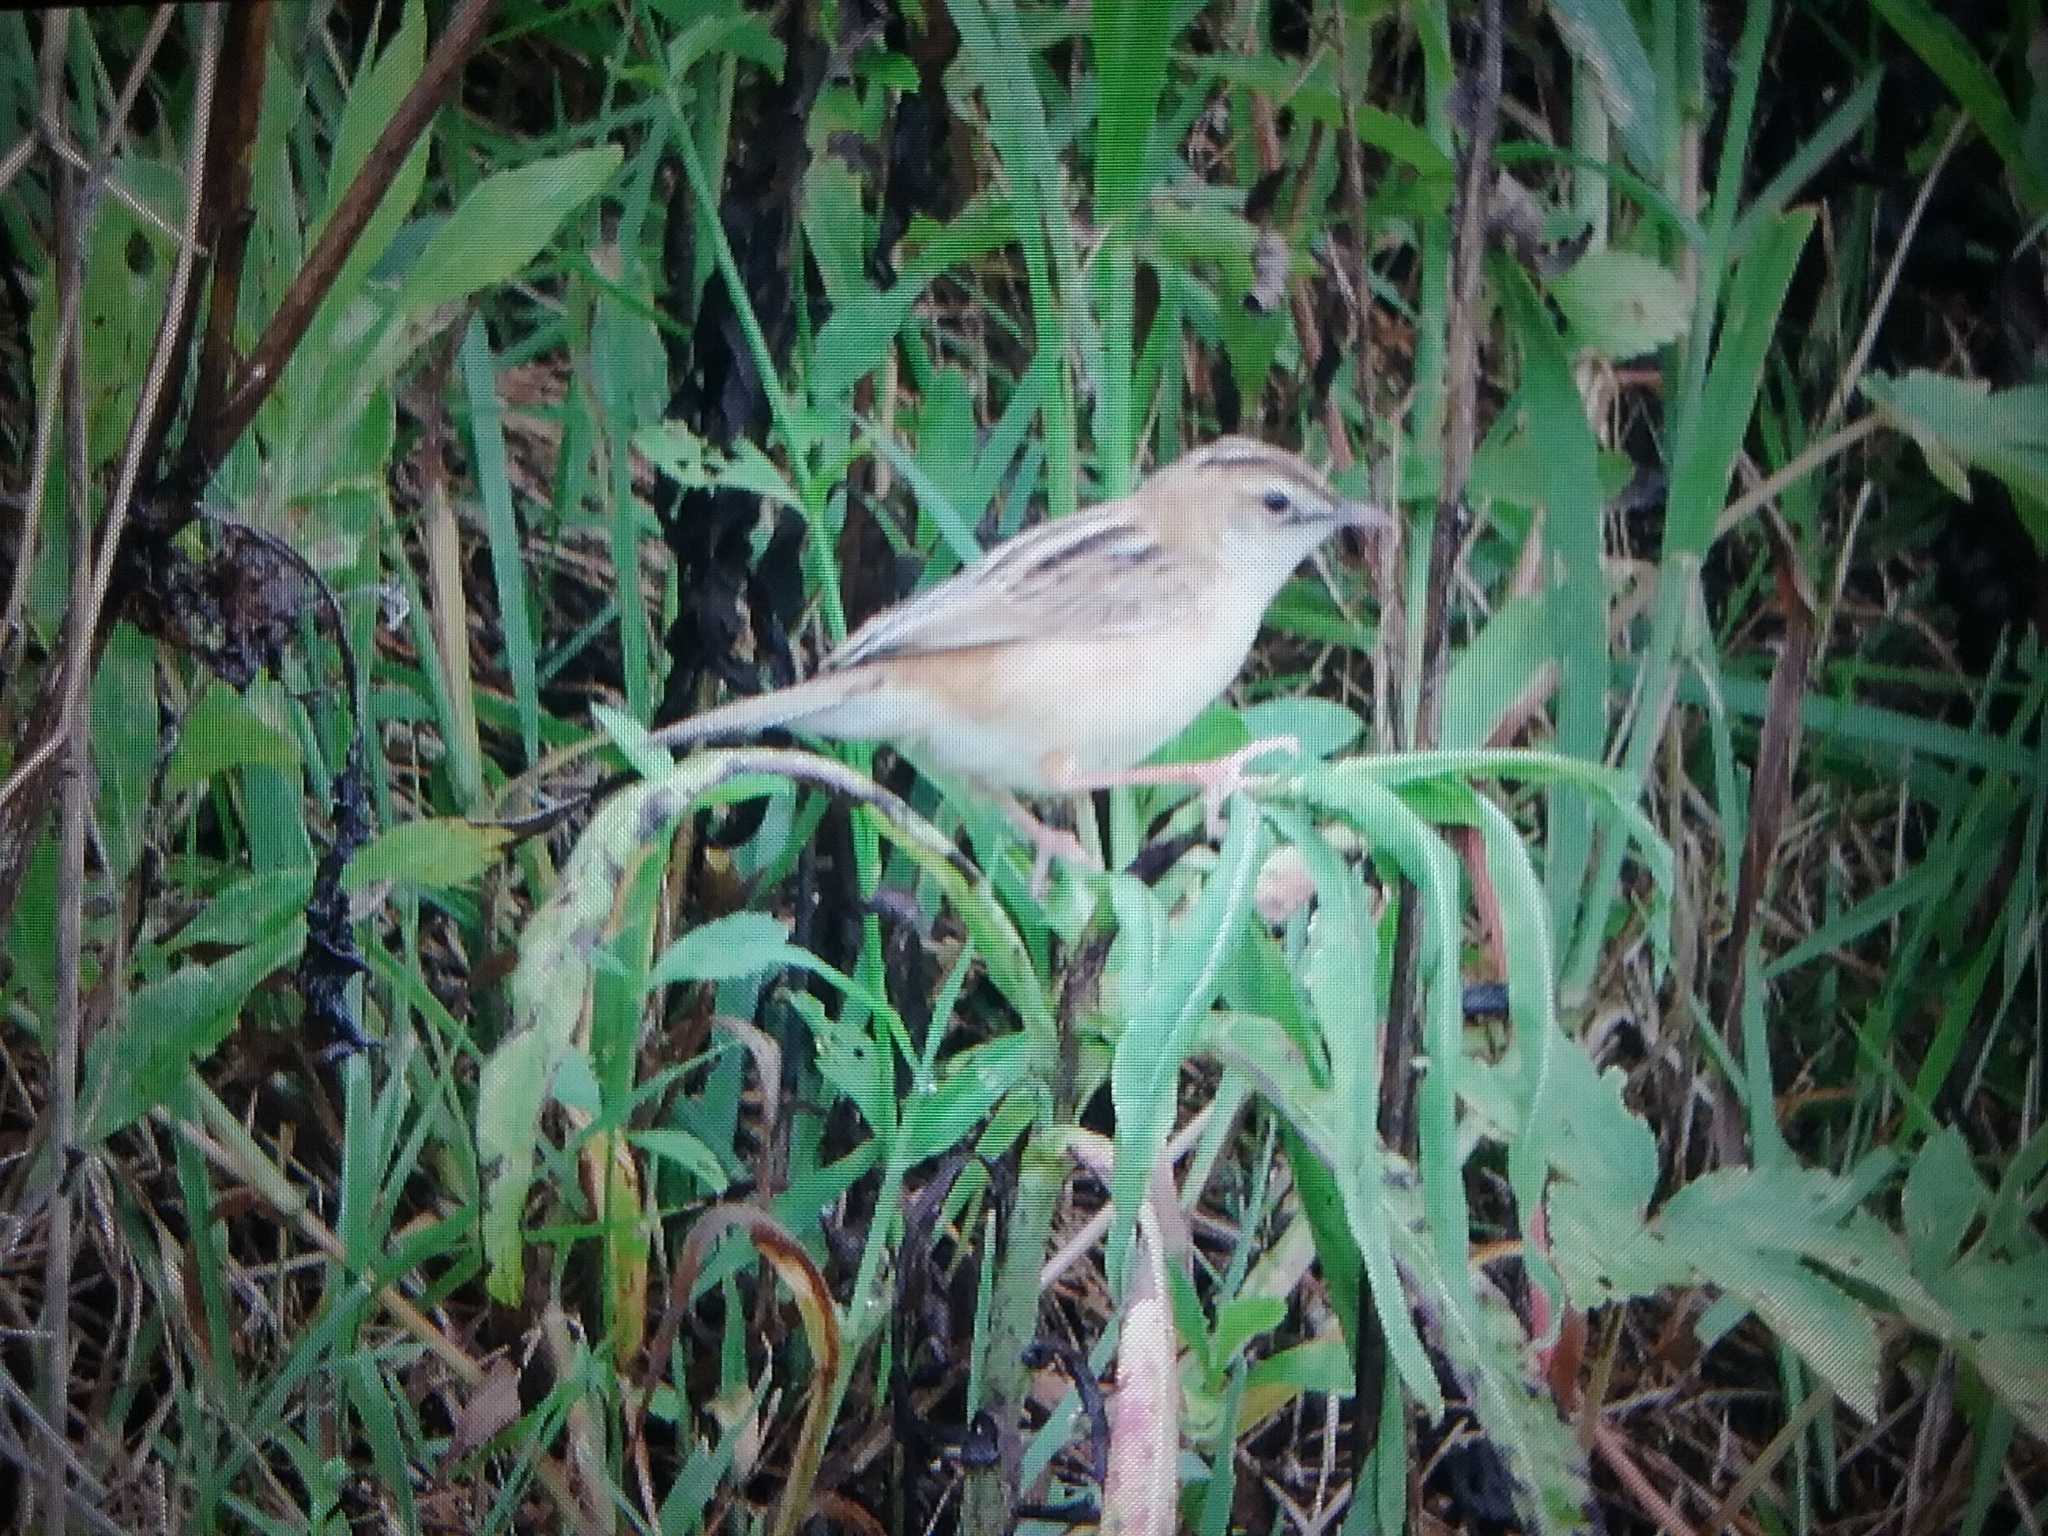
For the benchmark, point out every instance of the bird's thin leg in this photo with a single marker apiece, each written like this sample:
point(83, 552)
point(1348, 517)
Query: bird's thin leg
point(1218, 779)
point(1050, 842)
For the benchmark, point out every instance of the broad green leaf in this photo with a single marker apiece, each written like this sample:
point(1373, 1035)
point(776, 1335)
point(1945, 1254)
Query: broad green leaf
point(882, 67)
point(1941, 1200)
point(244, 910)
point(1168, 1017)
point(1830, 1331)
point(837, 228)
point(970, 1084)
point(226, 730)
point(1964, 424)
point(851, 1063)
point(503, 224)
point(1501, 665)
point(576, 1086)
point(688, 1153)
point(128, 267)
point(1622, 305)
point(630, 361)
point(1323, 1365)
point(1214, 732)
point(1532, 1007)
point(731, 29)
point(727, 948)
point(1242, 1319)
point(1141, 935)
point(438, 853)
point(682, 454)
point(171, 1024)
point(372, 101)
point(1322, 727)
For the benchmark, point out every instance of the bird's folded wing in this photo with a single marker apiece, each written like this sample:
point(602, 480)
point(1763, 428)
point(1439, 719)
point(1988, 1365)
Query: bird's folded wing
point(1087, 577)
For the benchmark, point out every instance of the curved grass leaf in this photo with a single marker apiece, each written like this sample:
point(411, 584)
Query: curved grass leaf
point(1602, 37)
point(503, 224)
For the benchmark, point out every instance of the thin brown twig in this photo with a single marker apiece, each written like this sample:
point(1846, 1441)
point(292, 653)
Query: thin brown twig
point(1795, 469)
point(225, 220)
point(68, 153)
point(1767, 1460)
point(1398, 1082)
point(13, 625)
point(259, 374)
point(17, 156)
point(153, 383)
point(72, 210)
point(13, 621)
point(67, 746)
point(1613, 1450)
point(1461, 360)
point(131, 88)
point(1860, 358)
point(85, 1499)
point(1351, 167)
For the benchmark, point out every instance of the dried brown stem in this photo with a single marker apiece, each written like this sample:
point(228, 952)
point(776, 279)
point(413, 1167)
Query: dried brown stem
point(1461, 358)
point(212, 437)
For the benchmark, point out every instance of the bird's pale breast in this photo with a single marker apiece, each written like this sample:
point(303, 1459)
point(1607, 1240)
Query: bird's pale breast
point(1103, 704)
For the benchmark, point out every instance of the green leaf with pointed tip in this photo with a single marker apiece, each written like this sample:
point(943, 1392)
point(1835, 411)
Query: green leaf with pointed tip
point(739, 944)
point(171, 1024)
point(1944, 48)
point(1130, 67)
point(503, 224)
point(438, 853)
point(227, 730)
point(1602, 37)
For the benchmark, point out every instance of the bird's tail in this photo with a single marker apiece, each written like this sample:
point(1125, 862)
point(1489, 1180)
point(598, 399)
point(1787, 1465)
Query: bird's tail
point(818, 705)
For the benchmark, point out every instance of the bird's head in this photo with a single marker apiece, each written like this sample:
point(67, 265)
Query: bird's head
point(1251, 502)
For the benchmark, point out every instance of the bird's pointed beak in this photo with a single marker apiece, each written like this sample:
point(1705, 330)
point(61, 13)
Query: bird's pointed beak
point(1363, 514)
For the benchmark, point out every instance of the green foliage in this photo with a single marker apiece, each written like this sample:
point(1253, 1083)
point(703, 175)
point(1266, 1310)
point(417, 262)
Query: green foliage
point(1963, 424)
point(502, 225)
point(1603, 38)
point(1946, 50)
point(172, 1023)
point(1074, 313)
point(1620, 304)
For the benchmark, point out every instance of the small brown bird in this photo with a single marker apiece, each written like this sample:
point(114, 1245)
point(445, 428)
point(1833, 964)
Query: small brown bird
point(1068, 654)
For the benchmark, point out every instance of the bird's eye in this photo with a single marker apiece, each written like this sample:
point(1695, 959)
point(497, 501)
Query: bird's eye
point(1276, 500)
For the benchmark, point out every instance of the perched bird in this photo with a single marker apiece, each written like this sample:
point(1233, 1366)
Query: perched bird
point(1066, 655)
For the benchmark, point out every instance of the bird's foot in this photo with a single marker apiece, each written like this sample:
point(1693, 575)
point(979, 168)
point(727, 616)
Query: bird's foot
point(1048, 843)
point(1222, 777)
point(1218, 778)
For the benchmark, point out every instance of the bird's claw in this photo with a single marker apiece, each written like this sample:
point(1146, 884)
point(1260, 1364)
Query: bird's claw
point(1226, 776)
